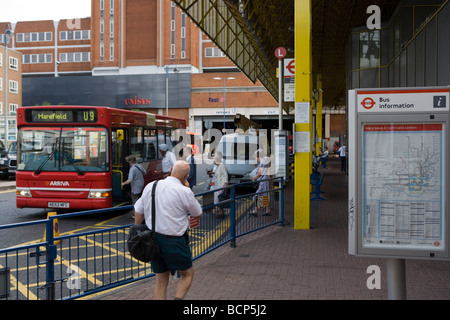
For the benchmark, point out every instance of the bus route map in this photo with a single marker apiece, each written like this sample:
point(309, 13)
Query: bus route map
point(402, 174)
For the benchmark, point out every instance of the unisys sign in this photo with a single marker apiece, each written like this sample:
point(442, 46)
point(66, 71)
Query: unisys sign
point(137, 101)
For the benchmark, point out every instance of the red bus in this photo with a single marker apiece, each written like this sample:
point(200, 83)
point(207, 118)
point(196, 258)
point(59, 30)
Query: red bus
point(73, 157)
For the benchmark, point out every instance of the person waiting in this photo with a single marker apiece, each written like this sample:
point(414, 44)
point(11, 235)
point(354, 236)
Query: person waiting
point(168, 159)
point(323, 158)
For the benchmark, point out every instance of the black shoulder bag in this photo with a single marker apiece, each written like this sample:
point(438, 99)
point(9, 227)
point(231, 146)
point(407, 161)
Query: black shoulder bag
point(142, 242)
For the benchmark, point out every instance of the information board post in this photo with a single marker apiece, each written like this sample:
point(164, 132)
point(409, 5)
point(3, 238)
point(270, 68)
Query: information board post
point(396, 279)
point(399, 176)
point(280, 53)
point(280, 95)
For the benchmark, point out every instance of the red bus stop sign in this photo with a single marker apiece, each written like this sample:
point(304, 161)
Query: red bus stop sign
point(280, 52)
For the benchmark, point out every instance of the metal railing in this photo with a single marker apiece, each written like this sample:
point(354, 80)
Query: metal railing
point(77, 264)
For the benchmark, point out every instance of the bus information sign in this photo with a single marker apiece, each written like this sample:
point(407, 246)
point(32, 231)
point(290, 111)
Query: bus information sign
point(399, 173)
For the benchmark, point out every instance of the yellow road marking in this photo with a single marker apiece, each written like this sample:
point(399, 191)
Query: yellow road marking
point(17, 285)
point(7, 191)
point(206, 238)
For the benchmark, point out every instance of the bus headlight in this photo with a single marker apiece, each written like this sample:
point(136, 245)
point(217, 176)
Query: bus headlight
point(23, 192)
point(98, 194)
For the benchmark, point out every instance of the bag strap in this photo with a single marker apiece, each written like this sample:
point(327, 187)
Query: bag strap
point(143, 172)
point(153, 205)
point(139, 168)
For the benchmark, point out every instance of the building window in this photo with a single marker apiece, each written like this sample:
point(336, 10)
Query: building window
point(13, 109)
point(172, 29)
point(13, 63)
point(1, 84)
point(86, 34)
point(102, 51)
point(111, 29)
point(37, 58)
point(183, 35)
point(102, 30)
point(75, 57)
point(12, 131)
point(369, 49)
point(111, 51)
point(13, 86)
point(75, 35)
point(34, 36)
point(213, 52)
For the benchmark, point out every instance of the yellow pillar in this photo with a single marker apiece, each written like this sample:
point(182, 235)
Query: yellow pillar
point(303, 87)
point(319, 115)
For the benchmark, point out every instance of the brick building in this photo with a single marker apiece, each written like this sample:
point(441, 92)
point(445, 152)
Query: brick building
point(138, 50)
point(10, 90)
point(45, 43)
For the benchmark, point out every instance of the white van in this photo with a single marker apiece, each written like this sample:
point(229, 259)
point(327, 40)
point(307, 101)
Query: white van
point(238, 150)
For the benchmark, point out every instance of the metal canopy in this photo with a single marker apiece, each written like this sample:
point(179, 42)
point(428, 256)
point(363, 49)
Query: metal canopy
point(249, 31)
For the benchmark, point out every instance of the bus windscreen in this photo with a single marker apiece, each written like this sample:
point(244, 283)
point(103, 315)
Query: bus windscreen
point(66, 149)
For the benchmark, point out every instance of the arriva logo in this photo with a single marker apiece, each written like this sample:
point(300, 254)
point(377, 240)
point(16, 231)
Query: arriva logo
point(59, 183)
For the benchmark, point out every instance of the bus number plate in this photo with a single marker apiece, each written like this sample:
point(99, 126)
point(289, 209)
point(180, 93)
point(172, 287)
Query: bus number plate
point(58, 205)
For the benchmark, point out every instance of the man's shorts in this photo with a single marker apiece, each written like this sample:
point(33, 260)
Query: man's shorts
point(175, 254)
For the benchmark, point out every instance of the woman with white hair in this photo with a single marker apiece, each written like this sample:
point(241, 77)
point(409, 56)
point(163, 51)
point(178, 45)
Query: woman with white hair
point(219, 180)
point(263, 165)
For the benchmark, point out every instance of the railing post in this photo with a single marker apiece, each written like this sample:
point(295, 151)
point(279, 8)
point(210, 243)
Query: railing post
point(233, 217)
point(51, 256)
point(282, 201)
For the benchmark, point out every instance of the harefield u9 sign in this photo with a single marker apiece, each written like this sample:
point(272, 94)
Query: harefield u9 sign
point(399, 146)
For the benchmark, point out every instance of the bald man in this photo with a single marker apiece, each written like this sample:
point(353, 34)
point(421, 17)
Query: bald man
point(174, 201)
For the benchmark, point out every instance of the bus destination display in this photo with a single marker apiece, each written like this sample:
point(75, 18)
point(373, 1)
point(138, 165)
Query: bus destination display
point(69, 115)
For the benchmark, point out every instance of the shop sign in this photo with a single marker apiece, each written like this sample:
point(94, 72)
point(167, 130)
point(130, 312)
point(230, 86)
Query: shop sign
point(137, 101)
point(220, 99)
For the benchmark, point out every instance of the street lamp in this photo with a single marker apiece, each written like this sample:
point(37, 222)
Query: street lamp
point(175, 70)
point(229, 78)
point(8, 35)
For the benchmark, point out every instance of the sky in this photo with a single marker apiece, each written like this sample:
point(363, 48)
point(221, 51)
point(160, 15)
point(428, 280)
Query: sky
point(31, 10)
